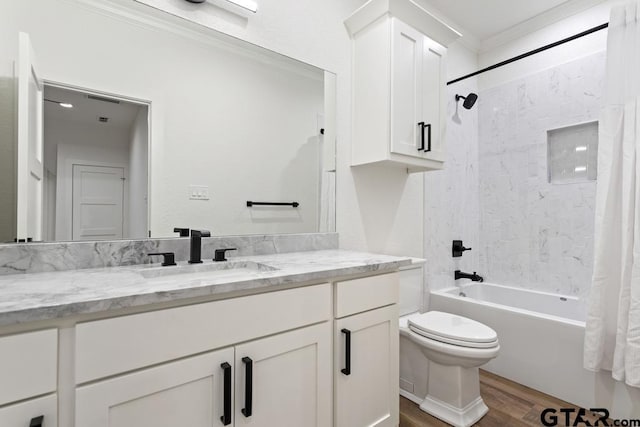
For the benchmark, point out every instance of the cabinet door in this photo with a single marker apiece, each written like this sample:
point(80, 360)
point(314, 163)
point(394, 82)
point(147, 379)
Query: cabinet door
point(22, 414)
point(406, 89)
point(433, 97)
point(188, 392)
point(285, 380)
point(366, 371)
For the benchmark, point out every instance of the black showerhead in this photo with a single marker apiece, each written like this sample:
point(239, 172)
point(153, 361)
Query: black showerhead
point(469, 100)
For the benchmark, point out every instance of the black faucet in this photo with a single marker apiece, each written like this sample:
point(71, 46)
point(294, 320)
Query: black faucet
point(195, 254)
point(474, 277)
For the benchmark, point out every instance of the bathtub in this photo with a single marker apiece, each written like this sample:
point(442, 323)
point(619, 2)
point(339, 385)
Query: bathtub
point(541, 342)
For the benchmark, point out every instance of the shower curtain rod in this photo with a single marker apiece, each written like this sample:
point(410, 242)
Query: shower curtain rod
point(532, 52)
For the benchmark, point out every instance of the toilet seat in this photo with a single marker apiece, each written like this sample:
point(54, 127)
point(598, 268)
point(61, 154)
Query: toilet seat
point(454, 330)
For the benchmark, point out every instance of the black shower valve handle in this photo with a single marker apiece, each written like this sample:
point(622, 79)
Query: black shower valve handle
point(457, 248)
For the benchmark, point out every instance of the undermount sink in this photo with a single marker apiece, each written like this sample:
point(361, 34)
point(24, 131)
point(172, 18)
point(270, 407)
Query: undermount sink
point(207, 269)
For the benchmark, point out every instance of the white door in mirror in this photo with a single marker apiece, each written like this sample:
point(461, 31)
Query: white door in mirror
point(98, 196)
point(30, 152)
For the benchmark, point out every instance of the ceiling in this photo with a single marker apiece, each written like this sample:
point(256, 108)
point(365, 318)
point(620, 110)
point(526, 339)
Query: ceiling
point(87, 111)
point(486, 18)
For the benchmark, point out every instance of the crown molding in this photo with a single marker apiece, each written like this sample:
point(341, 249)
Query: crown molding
point(538, 22)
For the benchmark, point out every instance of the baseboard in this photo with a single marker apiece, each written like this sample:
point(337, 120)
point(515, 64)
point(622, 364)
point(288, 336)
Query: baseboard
point(412, 397)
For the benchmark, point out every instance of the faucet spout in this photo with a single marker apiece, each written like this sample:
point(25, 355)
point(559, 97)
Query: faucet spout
point(462, 275)
point(195, 253)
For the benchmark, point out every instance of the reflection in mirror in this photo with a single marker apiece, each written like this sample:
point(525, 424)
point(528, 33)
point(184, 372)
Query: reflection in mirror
point(95, 166)
point(227, 123)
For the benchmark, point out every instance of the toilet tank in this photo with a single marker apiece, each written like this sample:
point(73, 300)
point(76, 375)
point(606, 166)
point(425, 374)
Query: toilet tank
point(411, 288)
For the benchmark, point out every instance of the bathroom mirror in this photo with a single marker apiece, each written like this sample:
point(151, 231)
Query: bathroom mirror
point(173, 124)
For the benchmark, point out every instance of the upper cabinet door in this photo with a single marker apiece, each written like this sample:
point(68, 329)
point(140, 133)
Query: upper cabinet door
point(285, 380)
point(30, 140)
point(406, 89)
point(433, 98)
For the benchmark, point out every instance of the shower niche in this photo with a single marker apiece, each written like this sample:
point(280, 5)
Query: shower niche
point(572, 153)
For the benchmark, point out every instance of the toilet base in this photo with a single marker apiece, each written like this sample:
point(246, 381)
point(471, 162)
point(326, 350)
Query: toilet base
point(454, 395)
point(459, 417)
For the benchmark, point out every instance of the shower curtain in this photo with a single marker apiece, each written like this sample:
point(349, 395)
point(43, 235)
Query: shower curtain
point(612, 340)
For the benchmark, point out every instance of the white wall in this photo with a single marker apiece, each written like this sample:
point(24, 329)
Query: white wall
point(66, 144)
point(138, 175)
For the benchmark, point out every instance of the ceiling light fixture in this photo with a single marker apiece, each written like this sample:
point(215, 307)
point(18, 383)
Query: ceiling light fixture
point(581, 148)
point(249, 5)
point(580, 169)
point(62, 104)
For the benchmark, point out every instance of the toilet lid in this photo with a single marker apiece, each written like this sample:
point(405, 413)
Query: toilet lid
point(452, 329)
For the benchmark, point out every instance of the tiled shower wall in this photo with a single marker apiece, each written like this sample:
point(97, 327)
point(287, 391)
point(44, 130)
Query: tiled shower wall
point(451, 195)
point(532, 233)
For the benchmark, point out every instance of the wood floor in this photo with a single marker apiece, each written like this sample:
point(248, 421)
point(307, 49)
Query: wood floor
point(510, 404)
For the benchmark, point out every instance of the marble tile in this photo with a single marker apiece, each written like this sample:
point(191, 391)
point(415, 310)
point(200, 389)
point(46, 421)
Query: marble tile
point(44, 257)
point(494, 192)
point(536, 234)
point(53, 295)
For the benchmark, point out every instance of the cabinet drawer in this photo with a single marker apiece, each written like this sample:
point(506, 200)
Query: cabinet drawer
point(21, 414)
point(358, 295)
point(29, 363)
point(112, 346)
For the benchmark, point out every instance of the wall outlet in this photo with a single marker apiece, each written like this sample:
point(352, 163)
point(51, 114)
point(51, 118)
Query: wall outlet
point(198, 192)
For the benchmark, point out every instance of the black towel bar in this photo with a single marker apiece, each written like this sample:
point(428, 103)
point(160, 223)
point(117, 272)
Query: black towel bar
point(294, 204)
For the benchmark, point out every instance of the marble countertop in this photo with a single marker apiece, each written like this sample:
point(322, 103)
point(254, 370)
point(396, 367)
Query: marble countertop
point(45, 296)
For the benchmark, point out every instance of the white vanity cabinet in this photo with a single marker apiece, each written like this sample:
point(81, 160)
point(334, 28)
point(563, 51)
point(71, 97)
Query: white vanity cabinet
point(28, 374)
point(243, 379)
point(312, 355)
point(399, 82)
point(282, 380)
point(366, 352)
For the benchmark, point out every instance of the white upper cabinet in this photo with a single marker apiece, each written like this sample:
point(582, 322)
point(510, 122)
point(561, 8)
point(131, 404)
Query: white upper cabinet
point(398, 85)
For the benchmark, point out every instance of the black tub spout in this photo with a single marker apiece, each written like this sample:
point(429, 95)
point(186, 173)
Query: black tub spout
point(474, 277)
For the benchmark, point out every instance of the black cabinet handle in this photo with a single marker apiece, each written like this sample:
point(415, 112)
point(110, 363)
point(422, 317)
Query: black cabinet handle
point(424, 126)
point(248, 386)
point(421, 125)
point(37, 421)
point(428, 126)
point(226, 417)
point(347, 352)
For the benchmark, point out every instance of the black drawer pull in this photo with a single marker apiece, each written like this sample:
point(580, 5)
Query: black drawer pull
point(37, 421)
point(347, 352)
point(226, 417)
point(248, 387)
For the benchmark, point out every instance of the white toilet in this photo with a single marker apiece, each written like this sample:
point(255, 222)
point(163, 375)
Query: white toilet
point(440, 354)
point(454, 347)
